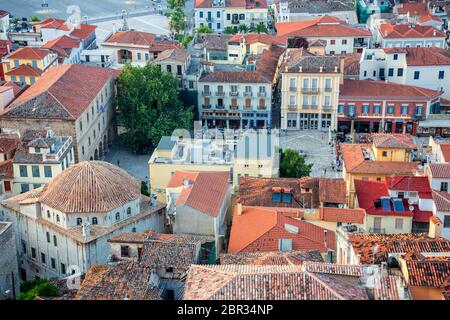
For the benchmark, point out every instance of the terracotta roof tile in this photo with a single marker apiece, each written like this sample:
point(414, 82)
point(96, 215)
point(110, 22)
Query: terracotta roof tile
point(145, 39)
point(259, 192)
point(324, 27)
point(25, 70)
point(410, 183)
point(441, 200)
point(429, 17)
point(252, 38)
point(351, 65)
point(445, 149)
point(364, 243)
point(90, 186)
point(271, 258)
point(440, 170)
point(393, 141)
point(259, 229)
point(446, 289)
point(342, 215)
point(414, 9)
point(423, 56)
point(207, 192)
point(122, 281)
point(383, 90)
point(29, 53)
point(332, 191)
point(428, 273)
point(394, 31)
point(62, 92)
point(6, 169)
point(8, 144)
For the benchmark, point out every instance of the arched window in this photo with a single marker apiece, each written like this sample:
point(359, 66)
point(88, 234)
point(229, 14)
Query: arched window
point(117, 216)
point(94, 220)
point(79, 221)
point(129, 211)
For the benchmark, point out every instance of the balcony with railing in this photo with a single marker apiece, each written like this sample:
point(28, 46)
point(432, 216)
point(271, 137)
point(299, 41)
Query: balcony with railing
point(314, 105)
point(220, 93)
point(292, 106)
point(361, 43)
point(327, 106)
point(220, 107)
point(206, 93)
point(310, 90)
point(306, 106)
point(248, 93)
point(328, 89)
point(234, 93)
point(248, 108)
point(262, 107)
point(261, 94)
point(292, 89)
point(234, 107)
point(206, 106)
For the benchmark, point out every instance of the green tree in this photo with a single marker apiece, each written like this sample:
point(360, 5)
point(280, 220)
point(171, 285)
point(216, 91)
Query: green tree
point(243, 28)
point(298, 42)
point(293, 165)
point(176, 20)
point(261, 28)
point(173, 4)
point(204, 29)
point(229, 30)
point(149, 106)
point(35, 19)
point(29, 290)
point(144, 189)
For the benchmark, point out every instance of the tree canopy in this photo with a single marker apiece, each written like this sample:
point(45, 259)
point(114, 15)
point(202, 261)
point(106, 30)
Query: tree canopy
point(172, 4)
point(176, 20)
point(204, 29)
point(149, 106)
point(297, 42)
point(293, 165)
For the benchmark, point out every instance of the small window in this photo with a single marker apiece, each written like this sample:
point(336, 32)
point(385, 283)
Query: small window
point(384, 153)
point(63, 268)
point(33, 253)
point(23, 171)
point(169, 270)
point(398, 224)
point(53, 263)
point(395, 56)
point(48, 214)
point(276, 197)
point(94, 220)
point(55, 242)
point(43, 257)
point(57, 218)
point(48, 237)
point(441, 75)
point(124, 251)
point(117, 216)
point(24, 247)
point(129, 211)
point(35, 171)
point(416, 75)
point(79, 221)
point(48, 171)
point(444, 186)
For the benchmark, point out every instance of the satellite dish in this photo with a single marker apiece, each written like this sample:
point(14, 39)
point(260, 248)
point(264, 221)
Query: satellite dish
point(411, 208)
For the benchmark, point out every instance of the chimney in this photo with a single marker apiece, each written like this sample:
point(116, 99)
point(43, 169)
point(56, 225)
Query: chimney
point(300, 69)
point(435, 228)
point(320, 69)
point(239, 208)
point(434, 33)
point(186, 183)
point(86, 228)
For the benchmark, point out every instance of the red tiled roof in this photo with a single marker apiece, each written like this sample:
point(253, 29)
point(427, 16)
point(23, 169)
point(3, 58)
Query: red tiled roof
point(363, 244)
point(90, 187)
point(207, 192)
point(410, 183)
point(393, 141)
point(332, 191)
point(351, 66)
point(446, 289)
point(428, 273)
point(354, 163)
point(423, 56)
point(272, 257)
point(440, 170)
point(324, 27)
point(259, 229)
point(429, 17)
point(445, 149)
point(179, 177)
point(83, 32)
point(53, 23)
point(414, 9)
point(6, 169)
point(3, 13)
point(342, 215)
point(383, 90)
point(29, 53)
point(24, 70)
point(138, 38)
point(258, 192)
point(8, 144)
point(252, 38)
point(390, 31)
point(63, 42)
point(441, 200)
point(368, 191)
point(71, 87)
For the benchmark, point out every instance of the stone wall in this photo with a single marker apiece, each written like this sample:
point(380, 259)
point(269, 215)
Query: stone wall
point(8, 261)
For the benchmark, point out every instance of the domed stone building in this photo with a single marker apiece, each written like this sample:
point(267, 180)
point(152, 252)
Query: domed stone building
point(63, 227)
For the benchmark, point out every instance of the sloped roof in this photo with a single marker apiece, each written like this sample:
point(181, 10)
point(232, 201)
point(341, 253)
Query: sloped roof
point(90, 186)
point(259, 229)
point(62, 45)
point(445, 149)
point(296, 58)
point(268, 282)
point(423, 56)
point(440, 170)
point(324, 27)
point(179, 55)
point(272, 258)
point(429, 272)
point(252, 38)
point(122, 281)
point(6, 169)
point(332, 190)
point(363, 244)
point(24, 70)
point(342, 215)
point(8, 144)
point(441, 200)
point(207, 192)
point(394, 31)
point(410, 183)
point(62, 92)
point(29, 53)
point(393, 141)
point(138, 38)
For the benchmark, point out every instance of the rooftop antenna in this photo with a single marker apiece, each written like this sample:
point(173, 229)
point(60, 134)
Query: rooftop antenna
point(125, 24)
